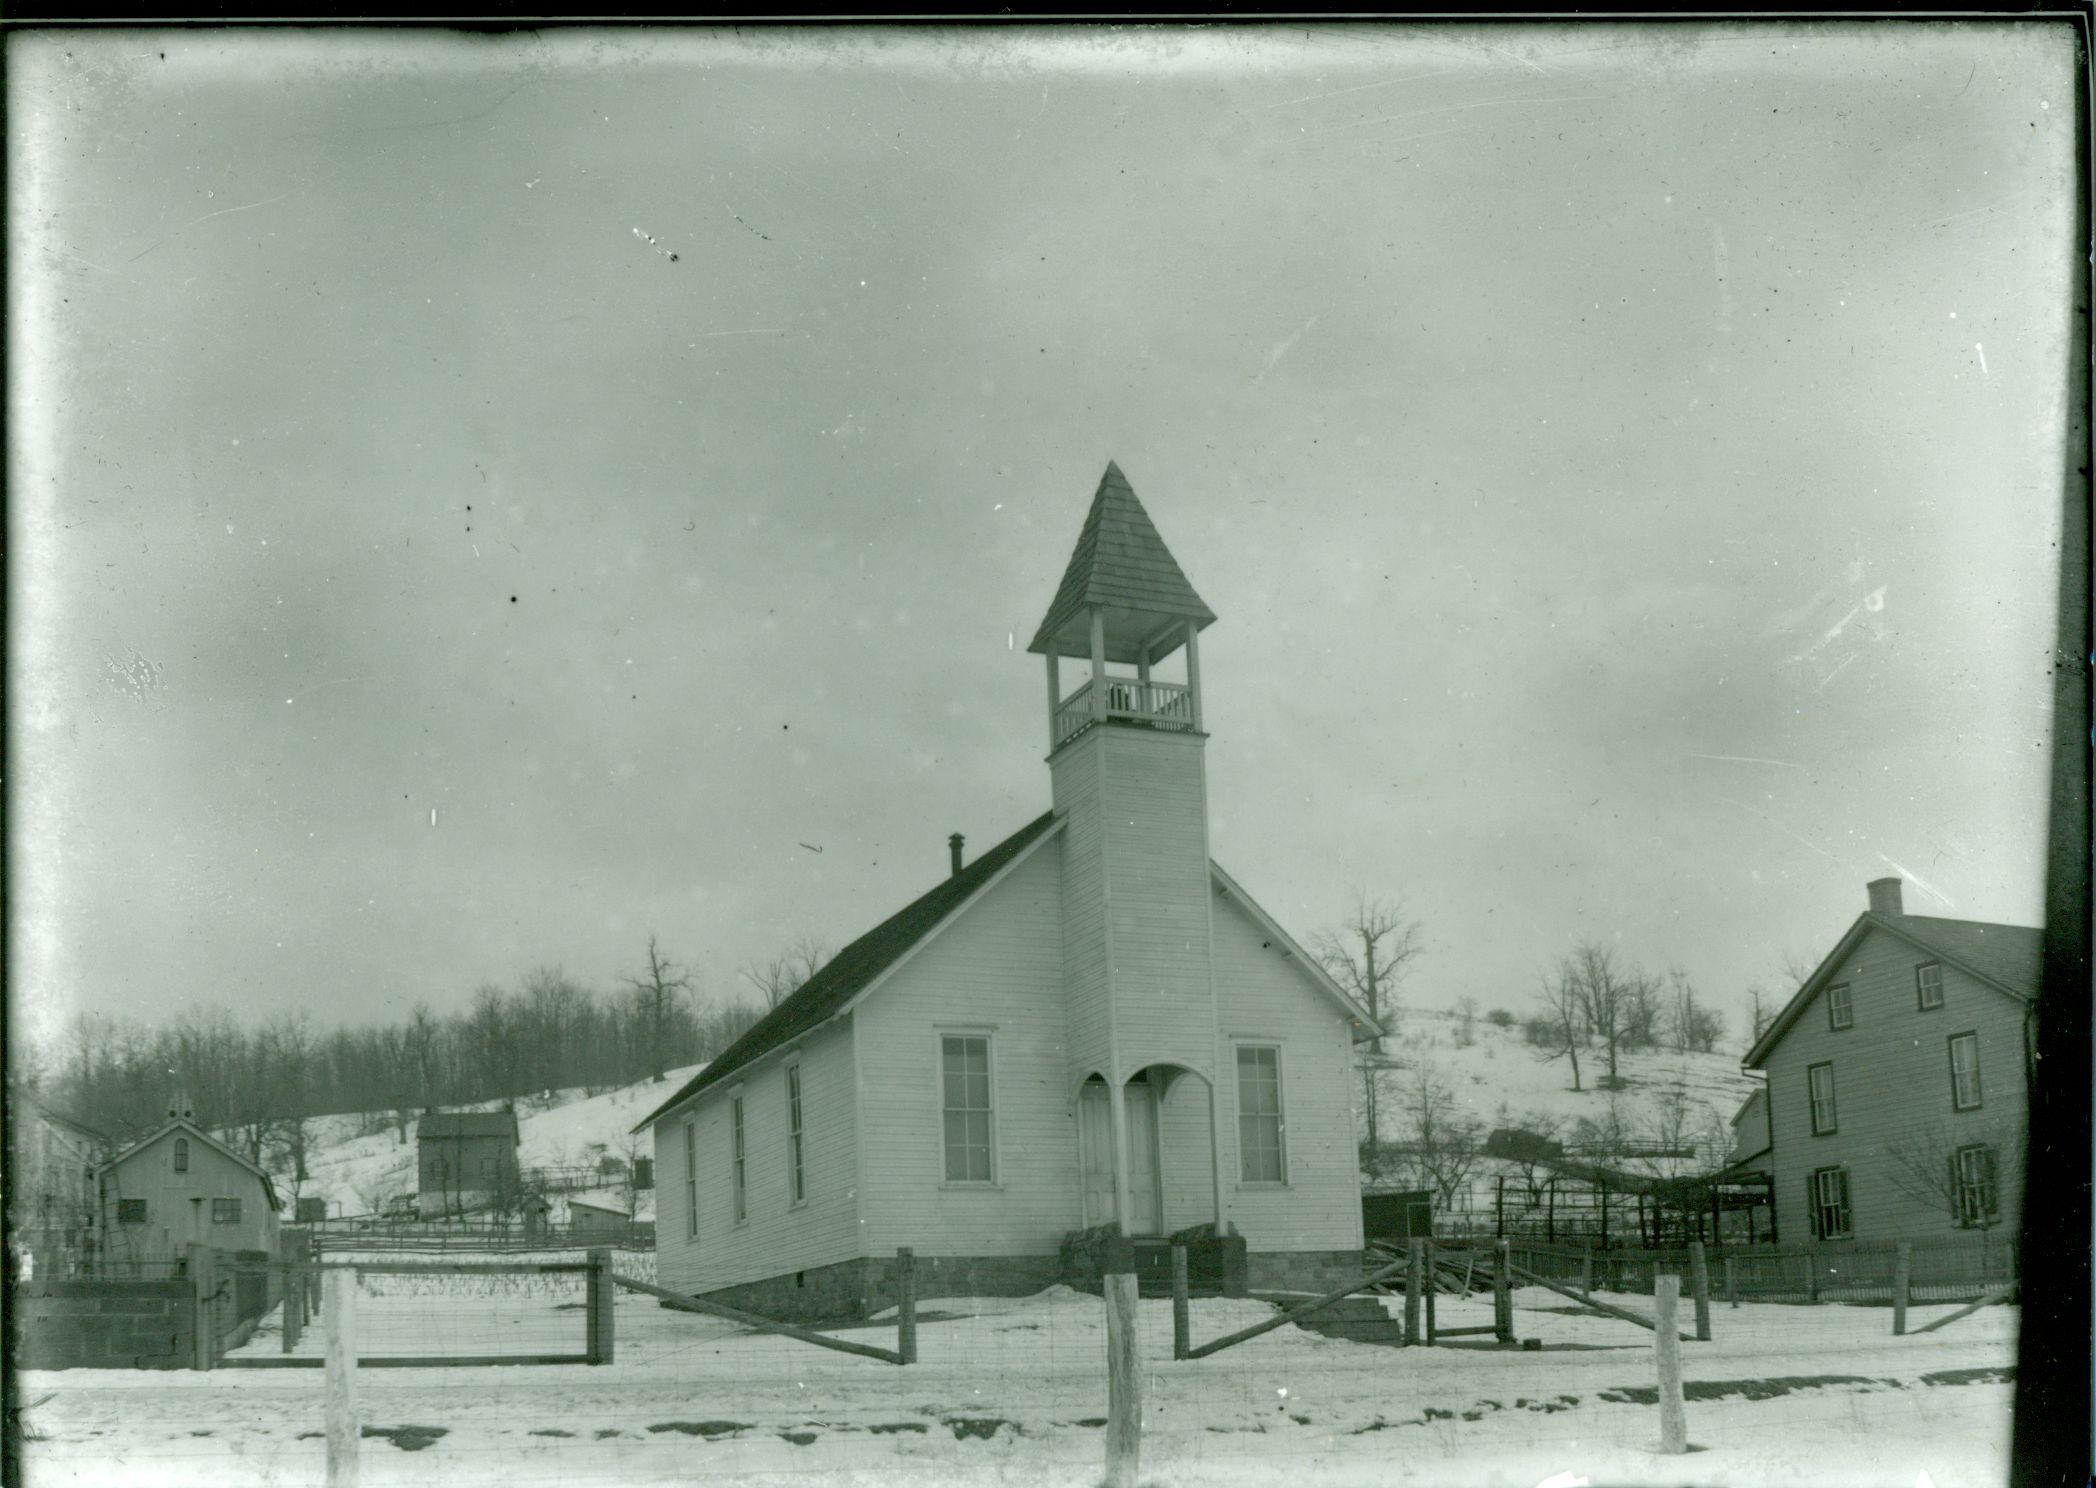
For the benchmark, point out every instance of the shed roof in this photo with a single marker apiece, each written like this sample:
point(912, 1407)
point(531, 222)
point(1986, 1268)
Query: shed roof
point(1121, 565)
point(467, 1124)
point(853, 969)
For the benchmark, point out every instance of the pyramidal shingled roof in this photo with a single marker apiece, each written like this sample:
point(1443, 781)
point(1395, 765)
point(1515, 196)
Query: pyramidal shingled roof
point(1120, 563)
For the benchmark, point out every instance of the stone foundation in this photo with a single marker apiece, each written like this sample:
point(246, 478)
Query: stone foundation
point(105, 1325)
point(1304, 1270)
point(852, 1290)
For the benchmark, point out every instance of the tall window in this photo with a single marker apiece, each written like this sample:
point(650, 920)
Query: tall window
point(1965, 1072)
point(1972, 1172)
point(691, 1176)
point(1820, 1077)
point(130, 1211)
point(1841, 1007)
point(793, 1130)
point(1830, 1203)
point(1260, 1157)
point(1928, 986)
point(965, 1083)
point(181, 1154)
point(225, 1211)
point(742, 1203)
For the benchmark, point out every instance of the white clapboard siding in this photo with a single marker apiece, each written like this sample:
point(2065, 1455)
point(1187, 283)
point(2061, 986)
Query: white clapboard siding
point(1892, 1085)
point(1188, 1176)
point(1265, 997)
point(178, 1205)
point(998, 968)
point(1083, 897)
point(1158, 889)
point(777, 1236)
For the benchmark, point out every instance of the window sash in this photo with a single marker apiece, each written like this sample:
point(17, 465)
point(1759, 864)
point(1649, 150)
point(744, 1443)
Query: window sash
point(1965, 1071)
point(1820, 1078)
point(793, 1130)
point(225, 1211)
point(1261, 1147)
point(1928, 986)
point(1841, 1006)
point(130, 1211)
point(181, 1154)
point(1978, 1197)
point(967, 1127)
point(742, 1208)
point(1830, 1198)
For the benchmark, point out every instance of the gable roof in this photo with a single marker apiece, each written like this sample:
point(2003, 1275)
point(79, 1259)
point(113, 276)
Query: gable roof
point(855, 968)
point(269, 1188)
point(2004, 957)
point(1119, 563)
point(1364, 1027)
point(454, 1124)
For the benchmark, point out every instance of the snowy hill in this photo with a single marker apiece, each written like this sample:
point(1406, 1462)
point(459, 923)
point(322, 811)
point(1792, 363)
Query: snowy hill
point(1497, 1079)
point(357, 1162)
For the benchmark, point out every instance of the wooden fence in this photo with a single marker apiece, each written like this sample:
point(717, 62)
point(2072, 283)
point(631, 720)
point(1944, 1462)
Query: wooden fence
point(1953, 1270)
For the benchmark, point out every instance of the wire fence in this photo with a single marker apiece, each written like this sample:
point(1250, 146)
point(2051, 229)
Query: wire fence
point(1015, 1389)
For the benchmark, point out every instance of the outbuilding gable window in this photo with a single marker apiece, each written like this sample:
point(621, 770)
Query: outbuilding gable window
point(130, 1211)
point(1965, 1072)
point(1261, 1154)
point(181, 1154)
point(965, 1107)
point(1830, 1204)
point(225, 1211)
point(1819, 1079)
point(1928, 986)
point(1841, 1007)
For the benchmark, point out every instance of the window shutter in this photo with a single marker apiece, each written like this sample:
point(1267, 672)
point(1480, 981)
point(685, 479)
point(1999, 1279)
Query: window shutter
point(1990, 1196)
point(1812, 1202)
point(1957, 1193)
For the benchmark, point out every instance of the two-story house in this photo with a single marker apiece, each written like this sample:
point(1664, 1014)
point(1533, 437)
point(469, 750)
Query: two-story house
point(1897, 1092)
point(465, 1161)
point(179, 1186)
point(1091, 1024)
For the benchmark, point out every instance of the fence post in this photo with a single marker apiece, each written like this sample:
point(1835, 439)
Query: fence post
point(1902, 1265)
point(1666, 1346)
point(1731, 1282)
point(906, 1303)
point(1811, 1274)
point(1124, 1381)
point(1182, 1320)
point(1503, 1294)
point(1415, 1278)
point(1699, 1278)
point(601, 1309)
point(203, 1285)
point(1433, 1285)
point(338, 1305)
point(294, 1305)
point(1586, 1269)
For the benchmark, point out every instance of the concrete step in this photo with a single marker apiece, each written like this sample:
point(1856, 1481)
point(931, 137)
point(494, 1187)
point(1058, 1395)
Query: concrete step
point(1384, 1330)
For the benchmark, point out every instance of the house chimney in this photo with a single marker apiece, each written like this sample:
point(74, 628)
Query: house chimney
point(1885, 896)
point(953, 845)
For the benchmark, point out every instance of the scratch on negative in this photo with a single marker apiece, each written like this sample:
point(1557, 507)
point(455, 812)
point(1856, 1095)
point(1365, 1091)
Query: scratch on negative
point(1833, 674)
point(1748, 759)
point(1786, 831)
point(221, 212)
point(1463, 108)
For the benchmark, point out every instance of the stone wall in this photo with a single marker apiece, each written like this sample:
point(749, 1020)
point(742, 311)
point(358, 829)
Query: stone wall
point(856, 1289)
point(1304, 1270)
point(105, 1325)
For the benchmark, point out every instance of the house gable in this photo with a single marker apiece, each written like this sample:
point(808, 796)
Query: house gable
point(1361, 1025)
point(180, 1127)
point(2001, 957)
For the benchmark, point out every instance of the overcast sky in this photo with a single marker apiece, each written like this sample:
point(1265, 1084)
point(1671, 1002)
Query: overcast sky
point(478, 501)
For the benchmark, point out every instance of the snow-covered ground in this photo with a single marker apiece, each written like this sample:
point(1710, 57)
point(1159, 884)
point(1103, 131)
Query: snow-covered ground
point(1013, 1391)
point(564, 1128)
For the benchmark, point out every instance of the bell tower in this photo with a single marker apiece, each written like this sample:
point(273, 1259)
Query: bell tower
point(1126, 755)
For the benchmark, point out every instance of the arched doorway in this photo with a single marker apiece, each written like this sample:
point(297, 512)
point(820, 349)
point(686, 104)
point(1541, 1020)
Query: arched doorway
point(1166, 1168)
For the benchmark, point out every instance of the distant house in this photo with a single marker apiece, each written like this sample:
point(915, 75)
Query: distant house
point(465, 1161)
point(1898, 1079)
point(1090, 1025)
point(1750, 1137)
point(52, 1161)
point(179, 1187)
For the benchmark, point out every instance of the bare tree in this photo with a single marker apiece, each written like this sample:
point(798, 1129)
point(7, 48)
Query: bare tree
point(1924, 1167)
point(1613, 997)
point(1566, 1016)
point(656, 990)
point(1370, 953)
point(1441, 1143)
point(1695, 1028)
point(1761, 1012)
point(786, 973)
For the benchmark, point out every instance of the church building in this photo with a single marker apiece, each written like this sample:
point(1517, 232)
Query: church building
point(1091, 1024)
